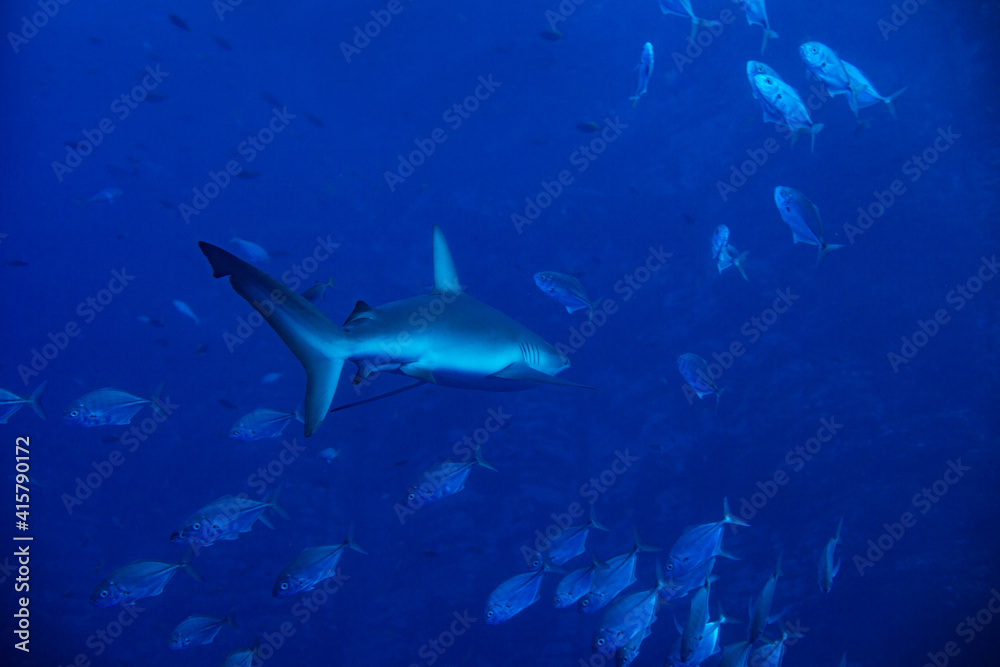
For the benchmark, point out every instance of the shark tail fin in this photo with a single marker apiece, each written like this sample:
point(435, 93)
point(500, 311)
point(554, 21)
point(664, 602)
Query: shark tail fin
point(33, 399)
point(317, 342)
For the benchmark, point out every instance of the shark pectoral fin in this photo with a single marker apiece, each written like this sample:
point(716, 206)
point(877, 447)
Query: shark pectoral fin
point(362, 311)
point(414, 370)
point(528, 374)
point(322, 376)
point(445, 278)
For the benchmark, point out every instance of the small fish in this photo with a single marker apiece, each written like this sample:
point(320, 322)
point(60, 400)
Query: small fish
point(442, 480)
point(865, 94)
point(720, 239)
point(229, 405)
point(223, 44)
point(683, 8)
point(185, 309)
point(694, 629)
point(770, 654)
point(588, 127)
point(270, 99)
point(243, 657)
point(15, 262)
point(827, 569)
point(151, 321)
point(610, 581)
point(565, 289)
point(515, 595)
point(179, 22)
point(329, 454)
point(627, 617)
point(783, 106)
point(678, 587)
point(708, 646)
point(754, 68)
point(141, 579)
point(803, 217)
point(577, 583)
point(317, 292)
point(573, 541)
point(627, 654)
point(199, 630)
point(730, 256)
point(253, 252)
point(645, 72)
point(10, 403)
point(108, 195)
point(823, 64)
point(262, 423)
point(225, 519)
point(312, 566)
point(270, 377)
point(314, 119)
point(700, 543)
point(760, 610)
point(247, 175)
point(757, 15)
point(695, 372)
point(551, 35)
point(108, 406)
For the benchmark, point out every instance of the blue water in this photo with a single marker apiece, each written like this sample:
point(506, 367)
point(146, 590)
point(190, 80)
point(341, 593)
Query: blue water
point(655, 185)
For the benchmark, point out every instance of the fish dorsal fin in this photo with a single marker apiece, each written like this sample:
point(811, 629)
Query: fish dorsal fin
point(362, 311)
point(445, 278)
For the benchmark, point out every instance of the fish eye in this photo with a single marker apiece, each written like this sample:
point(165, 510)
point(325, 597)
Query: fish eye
point(195, 526)
point(489, 614)
point(103, 594)
point(585, 602)
point(74, 413)
point(670, 566)
point(411, 496)
point(600, 642)
point(284, 586)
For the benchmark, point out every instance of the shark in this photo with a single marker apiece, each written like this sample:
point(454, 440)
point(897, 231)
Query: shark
point(446, 337)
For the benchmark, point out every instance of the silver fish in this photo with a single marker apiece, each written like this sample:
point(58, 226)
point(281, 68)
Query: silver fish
point(645, 72)
point(573, 541)
point(677, 587)
point(244, 657)
point(577, 583)
point(697, 621)
point(760, 610)
point(565, 289)
point(785, 107)
point(609, 582)
point(825, 65)
point(708, 646)
point(736, 655)
point(803, 217)
point(627, 617)
point(695, 372)
point(467, 344)
point(720, 239)
point(770, 654)
point(697, 545)
point(827, 569)
point(251, 250)
point(442, 480)
point(755, 68)
point(865, 94)
point(108, 406)
point(199, 630)
point(317, 292)
point(515, 595)
point(225, 519)
point(312, 566)
point(141, 579)
point(757, 15)
point(10, 402)
point(262, 423)
point(627, 654)
point(185, 310)
point(683, 8)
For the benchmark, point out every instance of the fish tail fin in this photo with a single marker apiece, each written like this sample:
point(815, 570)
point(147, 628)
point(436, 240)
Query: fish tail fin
point(272, 501)
point(483, 462)
point(813, 131)
point(349, 540)
point(777, 567)
point(156, 403)
point(185, 564)
point(318, 343)
point(840, 525)
point(728, 515)
point(230, 620)
point(597, 562)
point(33, 400)
point(634, 99)
point(723, 618)
point(594, 523)
point(739, 264)
point(639, 545)
point(718, 392)
point(889, 100)
point(726, 554)
point(825, 249)
point(768, 34)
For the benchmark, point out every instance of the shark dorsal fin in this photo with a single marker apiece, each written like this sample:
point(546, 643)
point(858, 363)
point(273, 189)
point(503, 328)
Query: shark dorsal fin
point(445, 278)
point(362, 311)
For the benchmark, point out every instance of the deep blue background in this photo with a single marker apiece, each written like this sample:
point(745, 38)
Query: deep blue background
point(655, 185)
